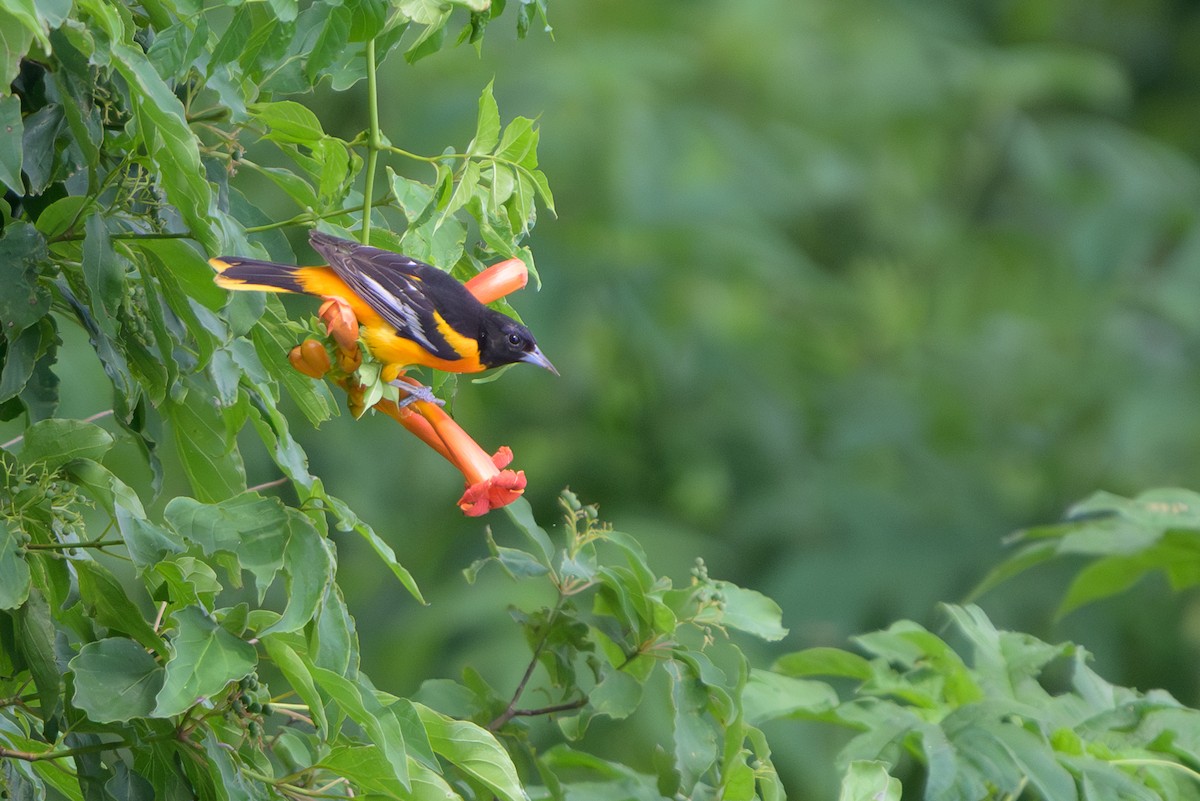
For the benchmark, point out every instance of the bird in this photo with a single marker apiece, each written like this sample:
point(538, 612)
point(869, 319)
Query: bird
point(411, 313)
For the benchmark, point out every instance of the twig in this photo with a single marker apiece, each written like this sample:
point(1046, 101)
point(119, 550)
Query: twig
point(66, 546)
point(578, 703)
point(511, 710)
point(65, 753)
point(268, 484)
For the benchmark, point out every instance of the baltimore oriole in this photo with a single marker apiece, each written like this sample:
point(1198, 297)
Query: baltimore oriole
point(411, 313)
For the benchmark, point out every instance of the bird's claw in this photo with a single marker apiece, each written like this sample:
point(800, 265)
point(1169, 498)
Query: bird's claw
point(416, 392)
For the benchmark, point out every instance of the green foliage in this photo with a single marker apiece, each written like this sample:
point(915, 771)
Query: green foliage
point(1005, 716)
point(1124, 539)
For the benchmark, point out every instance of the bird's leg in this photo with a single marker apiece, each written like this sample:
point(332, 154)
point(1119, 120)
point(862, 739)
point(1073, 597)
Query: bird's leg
point(416, 392)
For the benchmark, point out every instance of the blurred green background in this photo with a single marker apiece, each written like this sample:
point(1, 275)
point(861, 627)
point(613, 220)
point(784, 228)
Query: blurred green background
point(842, 291)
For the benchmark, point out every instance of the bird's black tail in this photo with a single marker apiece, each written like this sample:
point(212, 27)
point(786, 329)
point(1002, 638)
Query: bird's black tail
point(234, 272)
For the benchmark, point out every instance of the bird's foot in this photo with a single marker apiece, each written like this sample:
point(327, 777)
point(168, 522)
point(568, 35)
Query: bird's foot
point(416, 392)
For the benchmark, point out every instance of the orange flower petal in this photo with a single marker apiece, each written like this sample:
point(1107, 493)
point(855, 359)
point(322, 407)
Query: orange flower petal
point(310, 358)
point(417, 425)
point(499, 280)
point(500, 490)
point(341, 323)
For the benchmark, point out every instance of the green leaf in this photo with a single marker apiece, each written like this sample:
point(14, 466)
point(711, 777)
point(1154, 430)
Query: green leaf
point(521, 514)
point(543, 189)
point(770, 696)
point(26, 12)
point(288, 122)
point(42, 128)
point(487, 127)
point(162, 127)
point(115, 680)
point(618, 695)
point(15, 40)
point(34, 631)
point(367, 769)
point(337, 168)
point(204, 659)
point(368, 19)
point(769, 785)
point(295, 186)
point(298, 672)
point(21, 357)
point(206, 446)
point(433, 14)
point(12, 129)
point(823, 662)
point(380, 723)
point(104, 274)
point(475, 751)
point(1106, 577)
point(331, 41)
point(308, 568)
point(188, 581)
point(24, 301)
point(1036, 760)
point(252, 528)
point(185, 276)
point(61, 216)
point(272, 343)
point(108, 604)
point(334, 646)
point(177, 47)
point(14, 572)
point(750, 611)
point(869, 781)
point(695, 736)
point(516, 563)
point(519, 143)
point(464, 191)
point(40, 395)
point(52, 443)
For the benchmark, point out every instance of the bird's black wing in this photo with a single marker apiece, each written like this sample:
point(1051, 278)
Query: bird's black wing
point(405, 292)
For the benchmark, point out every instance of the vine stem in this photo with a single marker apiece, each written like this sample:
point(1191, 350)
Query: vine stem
point(42, 756)
point(1156, 763)
point(374, 141)
point(511, 710)
point(66, 546)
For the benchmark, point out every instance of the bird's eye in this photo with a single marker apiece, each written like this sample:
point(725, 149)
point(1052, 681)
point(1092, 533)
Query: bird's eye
point(516, 340)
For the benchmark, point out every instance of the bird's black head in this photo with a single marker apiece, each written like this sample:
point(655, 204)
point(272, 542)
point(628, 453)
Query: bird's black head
point(505, 341)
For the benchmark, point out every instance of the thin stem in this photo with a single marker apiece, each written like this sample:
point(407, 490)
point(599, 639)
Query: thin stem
point(511, 710)
point(162, 610)
point(268, 484)
point(417, 157)
point(1156, 763)
point(293, 715)
point(66, 546)
point(283, 786)
point(374, 141)
point(42, 756)
point(578, 703)
point(308, 216)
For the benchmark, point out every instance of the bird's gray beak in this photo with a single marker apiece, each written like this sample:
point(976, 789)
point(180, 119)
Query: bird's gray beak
point(536, 356)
